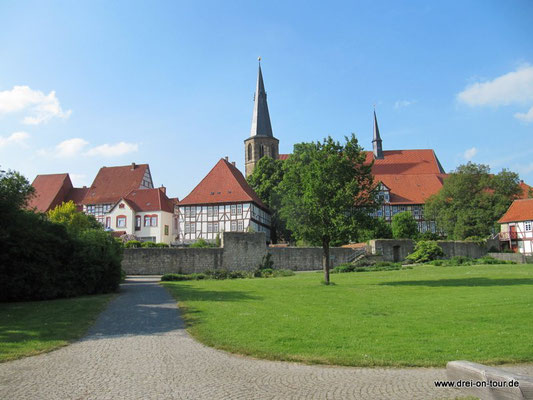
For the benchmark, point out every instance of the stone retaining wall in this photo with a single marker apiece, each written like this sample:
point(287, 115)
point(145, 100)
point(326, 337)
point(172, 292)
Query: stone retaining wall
point(516, 257)
point(239, 251)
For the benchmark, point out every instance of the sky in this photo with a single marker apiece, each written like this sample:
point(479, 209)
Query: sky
point(86, 84)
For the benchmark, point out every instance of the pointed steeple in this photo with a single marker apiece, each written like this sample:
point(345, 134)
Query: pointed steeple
point(376, 141)
point(260, 119)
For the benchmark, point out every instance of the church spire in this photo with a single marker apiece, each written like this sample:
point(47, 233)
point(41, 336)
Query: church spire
point(260, 119)
point(376, 141)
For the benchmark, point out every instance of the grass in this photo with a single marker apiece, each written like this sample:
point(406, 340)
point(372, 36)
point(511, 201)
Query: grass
point(29, 328)
point(425, 316)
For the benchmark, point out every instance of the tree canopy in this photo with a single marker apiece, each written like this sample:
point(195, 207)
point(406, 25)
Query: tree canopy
point(265, 181)
point(472, 200)
point(404, 226)
point(74, 220)
point(327, 192)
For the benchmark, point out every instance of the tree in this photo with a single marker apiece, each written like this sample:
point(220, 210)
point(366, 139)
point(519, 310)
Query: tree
point(472, 200)
point(75, 221)
point(15, 191)
point(380, 229)
point(327, 192)
point(265, 181)
point(404, 226)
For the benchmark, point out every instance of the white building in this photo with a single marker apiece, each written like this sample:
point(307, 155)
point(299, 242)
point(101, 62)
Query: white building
point(222, 202)
point(516, 231)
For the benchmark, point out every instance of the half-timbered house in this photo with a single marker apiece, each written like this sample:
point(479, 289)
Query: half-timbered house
point(222, 202)
point(516, 227)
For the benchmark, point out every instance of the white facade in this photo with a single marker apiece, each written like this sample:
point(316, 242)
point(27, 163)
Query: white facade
point(519, 235)
point(155, 226)
point(208, 221)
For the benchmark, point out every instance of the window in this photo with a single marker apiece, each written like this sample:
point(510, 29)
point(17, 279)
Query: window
point(146, 220)
point(272, 151)
point(233, 209)
point(261, 151)
point(138, 222)
point(240, 226)
point(121, 221)
point(527, 226)
point(215, 227)
point(166, 230)
point(209, 211)
point(209, 227)
point(249, 152)
point(193, 228)
point(154, 220)
point(239, 209)
point(108, 222)
point(175, 224)
point(233, 226)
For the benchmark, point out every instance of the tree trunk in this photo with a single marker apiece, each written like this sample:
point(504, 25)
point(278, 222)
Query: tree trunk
point(325, 259)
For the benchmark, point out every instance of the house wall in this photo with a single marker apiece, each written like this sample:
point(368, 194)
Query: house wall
point(524, 236)
point(130, 218)
point(163, 218)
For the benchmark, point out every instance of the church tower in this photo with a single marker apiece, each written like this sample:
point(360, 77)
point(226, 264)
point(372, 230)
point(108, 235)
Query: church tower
point(376, 141)
point(261, 141)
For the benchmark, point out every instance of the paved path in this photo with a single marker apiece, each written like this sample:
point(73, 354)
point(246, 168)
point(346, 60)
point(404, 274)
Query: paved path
point(138, 349)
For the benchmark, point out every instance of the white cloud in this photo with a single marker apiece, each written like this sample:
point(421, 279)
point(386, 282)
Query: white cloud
point(16, 137)
point(403, 103)
point(69, 148)
point(78, 179)
point(512, 88)
point(526, 117)
point(113, 150)
point(470, 153)
point(39, 106)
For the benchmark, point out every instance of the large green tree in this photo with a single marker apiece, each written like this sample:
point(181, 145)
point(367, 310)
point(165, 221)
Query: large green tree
point(472, 200)
point(327, 191)
point(74, 220)
point(404, 226)
point(265, 180)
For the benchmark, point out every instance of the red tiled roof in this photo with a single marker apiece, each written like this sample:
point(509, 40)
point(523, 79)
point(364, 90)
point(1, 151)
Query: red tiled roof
point(113, 183)
point(50, 191)
point(77, 195)
point(519, 210)
point(410, 162)
point(149, 200)
point(411, 189)
point(223, 184)
point(283, 156)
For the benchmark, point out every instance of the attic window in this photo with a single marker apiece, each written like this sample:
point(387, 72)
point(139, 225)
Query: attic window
point(218, 192)
point(212, 192)
point(229, 191)
point(121, 205)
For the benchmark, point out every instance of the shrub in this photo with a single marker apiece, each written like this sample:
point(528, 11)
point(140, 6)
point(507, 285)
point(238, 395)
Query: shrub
point(283, 272)
point(132, 244)
point(176, 277)
point(425, 250)
point(217, 240)
point(404, 226)
point(428, 236)
point(201, 243)
point(148, 244)
point(161, 245)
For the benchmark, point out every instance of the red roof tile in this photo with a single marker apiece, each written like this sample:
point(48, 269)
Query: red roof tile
point(223, 184)
point(411, 162)
point(113, 183)
point(520, 210)
point(50, 191)
point(526, 190)
point(411, 189)
point(283, 156)
point(149, 200)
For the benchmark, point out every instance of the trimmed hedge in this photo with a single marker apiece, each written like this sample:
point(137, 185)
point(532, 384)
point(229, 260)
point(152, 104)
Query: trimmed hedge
point(221, 274)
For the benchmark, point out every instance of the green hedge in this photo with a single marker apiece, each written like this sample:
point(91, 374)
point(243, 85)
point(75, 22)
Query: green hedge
point(41, 260)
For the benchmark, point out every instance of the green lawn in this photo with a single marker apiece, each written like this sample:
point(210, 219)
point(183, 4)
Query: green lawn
point(30, 328)
point(424, 316)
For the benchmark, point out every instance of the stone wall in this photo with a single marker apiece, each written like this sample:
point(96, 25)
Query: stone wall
point(397, 250)
point(516, 257)
point(307, 258)
point(239, 251)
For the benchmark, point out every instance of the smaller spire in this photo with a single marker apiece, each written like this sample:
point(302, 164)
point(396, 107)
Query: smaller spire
point(261, 125)
point(376, 141)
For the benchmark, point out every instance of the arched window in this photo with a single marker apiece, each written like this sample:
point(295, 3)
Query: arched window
point(272, 151)
point(249, 151)
point(261, 151)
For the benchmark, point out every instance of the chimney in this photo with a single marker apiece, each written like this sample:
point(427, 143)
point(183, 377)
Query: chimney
point(163, 189)
point(85, 187)
point(233, 163)
point(226, 158)
point(132, 166)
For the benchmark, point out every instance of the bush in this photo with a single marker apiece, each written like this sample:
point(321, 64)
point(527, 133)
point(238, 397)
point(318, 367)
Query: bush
point(428, 236)
point(202, 244)
point(425, 250)
point(161, 245)
point(176, 277)
point(404, 226)
point(132, 244)
point(367, 267)
point(464, 261)
point(148, 244)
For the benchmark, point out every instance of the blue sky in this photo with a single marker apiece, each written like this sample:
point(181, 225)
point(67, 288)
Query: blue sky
point(100, 83)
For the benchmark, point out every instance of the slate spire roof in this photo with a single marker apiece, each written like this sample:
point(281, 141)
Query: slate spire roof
point(376, 141)
point(261, 118)
point(223, 184)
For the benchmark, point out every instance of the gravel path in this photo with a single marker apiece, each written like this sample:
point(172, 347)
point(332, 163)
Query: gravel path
point(138, 349)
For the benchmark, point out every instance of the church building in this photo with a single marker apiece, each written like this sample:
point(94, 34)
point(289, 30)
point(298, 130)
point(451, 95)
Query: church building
point(407, 178)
